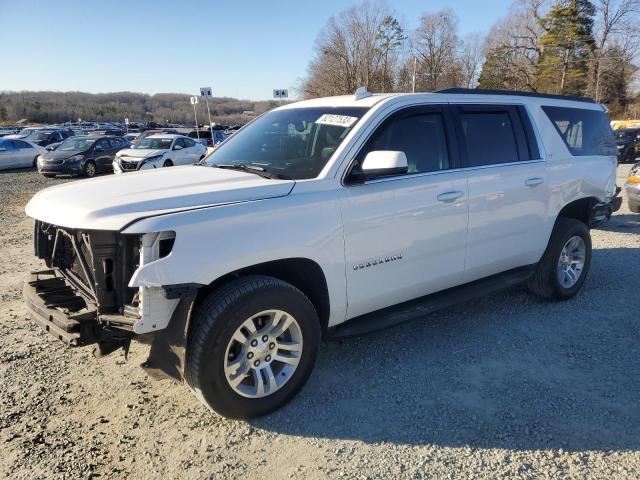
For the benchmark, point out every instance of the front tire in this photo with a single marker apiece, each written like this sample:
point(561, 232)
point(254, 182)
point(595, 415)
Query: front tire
point(167, 163)
point(565, 264)
point(251, 347)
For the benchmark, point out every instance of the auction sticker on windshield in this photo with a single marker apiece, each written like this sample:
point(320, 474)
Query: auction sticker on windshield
point(337, 120)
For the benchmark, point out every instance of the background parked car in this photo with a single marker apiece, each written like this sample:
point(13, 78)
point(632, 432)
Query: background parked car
point(161, 150)
point(154, 131)
point(16, 153)
point(628, 139)
point(131, 136)
point(205, 137)
point(632, 187)
point(44, 137)
point(81, 155)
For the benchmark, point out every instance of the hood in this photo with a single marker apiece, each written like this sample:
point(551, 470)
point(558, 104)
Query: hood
point(57, 155)
point(113, 202)
point(139, 153)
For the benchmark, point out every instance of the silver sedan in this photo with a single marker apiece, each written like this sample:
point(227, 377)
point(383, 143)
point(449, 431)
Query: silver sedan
point(16, 153)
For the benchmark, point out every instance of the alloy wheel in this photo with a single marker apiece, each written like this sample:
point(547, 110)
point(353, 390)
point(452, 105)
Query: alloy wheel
point(263, 353)
point(571, 261)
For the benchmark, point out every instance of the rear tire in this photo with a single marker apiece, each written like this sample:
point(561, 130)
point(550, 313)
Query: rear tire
point(564, 266)
point(634, 207)
point(220, 348)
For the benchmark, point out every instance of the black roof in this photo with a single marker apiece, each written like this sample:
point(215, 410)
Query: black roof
point(480, 91)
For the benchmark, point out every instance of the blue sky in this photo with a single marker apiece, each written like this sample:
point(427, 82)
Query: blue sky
point(241, 48)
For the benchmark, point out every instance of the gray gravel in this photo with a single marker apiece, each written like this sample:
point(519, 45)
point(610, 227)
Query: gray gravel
point(503, 387)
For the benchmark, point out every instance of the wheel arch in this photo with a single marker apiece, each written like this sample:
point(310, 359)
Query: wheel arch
point(303, 273)
point(580, 209)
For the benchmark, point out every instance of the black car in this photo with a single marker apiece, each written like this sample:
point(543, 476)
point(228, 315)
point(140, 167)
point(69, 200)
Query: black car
point(82, 155)
point(627, 140)
point(204, 137)
point(44, 137)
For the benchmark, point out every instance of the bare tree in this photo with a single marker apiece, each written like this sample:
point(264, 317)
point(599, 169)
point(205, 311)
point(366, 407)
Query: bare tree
point(616, 25)
point(471, 58)
point(350, 51)
point(435, 44)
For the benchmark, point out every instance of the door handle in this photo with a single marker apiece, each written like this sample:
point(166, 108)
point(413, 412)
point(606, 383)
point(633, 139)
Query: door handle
point(448, 197)
point(534, 182)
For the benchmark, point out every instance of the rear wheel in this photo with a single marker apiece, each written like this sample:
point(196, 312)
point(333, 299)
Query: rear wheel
point(167, 163)
point(565, 263)
point(89, 169)
point(252, 346)
point(634, 207)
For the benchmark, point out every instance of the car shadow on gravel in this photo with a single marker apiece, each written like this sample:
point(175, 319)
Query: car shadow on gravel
point(506, 371)
point(623, 223)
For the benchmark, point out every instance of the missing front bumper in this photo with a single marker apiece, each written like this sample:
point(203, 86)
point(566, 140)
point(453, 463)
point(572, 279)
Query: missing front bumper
point(64, 313)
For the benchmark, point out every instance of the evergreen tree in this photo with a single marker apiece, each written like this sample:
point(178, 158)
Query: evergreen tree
point(566, 47)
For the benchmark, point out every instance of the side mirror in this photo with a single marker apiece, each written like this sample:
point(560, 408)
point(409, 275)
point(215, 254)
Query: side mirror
point(177, 147)
point(382, 163)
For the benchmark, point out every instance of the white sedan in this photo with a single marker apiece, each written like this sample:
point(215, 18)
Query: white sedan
point(16, 153)
point(162, 150)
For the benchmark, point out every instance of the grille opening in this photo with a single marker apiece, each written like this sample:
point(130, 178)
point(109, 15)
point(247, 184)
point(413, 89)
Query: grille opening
point(165, 246)
point(107, 266)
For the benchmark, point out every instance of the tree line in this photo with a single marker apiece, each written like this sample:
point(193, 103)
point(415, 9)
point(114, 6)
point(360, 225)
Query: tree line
point(55, 107)
point(567, 47)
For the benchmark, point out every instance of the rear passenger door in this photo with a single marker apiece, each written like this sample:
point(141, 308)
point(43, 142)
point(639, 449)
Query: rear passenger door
point(508, 193)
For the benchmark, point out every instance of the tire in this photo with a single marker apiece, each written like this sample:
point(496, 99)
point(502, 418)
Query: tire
point(89, 169)
point(634, 207)
point(49, 175)
point(210, 344)
point(167, 163)
point(547, 281)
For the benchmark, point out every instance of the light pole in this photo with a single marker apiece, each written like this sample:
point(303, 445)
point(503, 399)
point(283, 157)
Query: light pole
point(206, 93)
point(194, 101)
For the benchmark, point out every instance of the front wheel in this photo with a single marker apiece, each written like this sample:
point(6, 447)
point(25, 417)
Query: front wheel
point(251, 346)
point(565, 263)
point(167, 163)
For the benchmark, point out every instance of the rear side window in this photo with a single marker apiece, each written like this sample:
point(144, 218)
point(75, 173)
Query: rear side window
point(584, 132)
point(489, 138)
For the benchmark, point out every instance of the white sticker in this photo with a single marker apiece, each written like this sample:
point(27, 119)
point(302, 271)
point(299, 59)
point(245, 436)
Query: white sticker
point(337, 120)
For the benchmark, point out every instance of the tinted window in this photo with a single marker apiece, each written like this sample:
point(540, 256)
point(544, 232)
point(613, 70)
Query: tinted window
point(489, 138)
point(584, 132)
point(102, 143)
point(20, 144)
point(188, 142)
point(179, 142)
point(420, 136)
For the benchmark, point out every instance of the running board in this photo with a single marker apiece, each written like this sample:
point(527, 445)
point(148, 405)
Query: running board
point(420, 307)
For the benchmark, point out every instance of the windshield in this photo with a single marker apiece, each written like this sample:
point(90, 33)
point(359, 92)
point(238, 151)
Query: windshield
point(37, 136)
point(296, 143)
point(155, 143)
point(78, 144)
point(626, 134)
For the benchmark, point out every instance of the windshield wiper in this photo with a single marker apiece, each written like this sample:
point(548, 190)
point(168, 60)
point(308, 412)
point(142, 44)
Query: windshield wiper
point(251, 168)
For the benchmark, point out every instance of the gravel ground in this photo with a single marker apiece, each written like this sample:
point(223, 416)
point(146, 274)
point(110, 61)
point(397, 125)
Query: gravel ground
point(503, 387)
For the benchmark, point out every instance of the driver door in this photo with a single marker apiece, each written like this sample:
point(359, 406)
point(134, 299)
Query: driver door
point(405, 235)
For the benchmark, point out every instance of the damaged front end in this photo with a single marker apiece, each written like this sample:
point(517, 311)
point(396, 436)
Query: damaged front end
point(84, 297)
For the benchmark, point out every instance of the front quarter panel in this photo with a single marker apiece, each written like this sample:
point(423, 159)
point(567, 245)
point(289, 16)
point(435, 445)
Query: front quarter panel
point(212, 242)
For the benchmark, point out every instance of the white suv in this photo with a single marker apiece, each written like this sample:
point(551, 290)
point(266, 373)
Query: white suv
point(323, 218)
point(162, 150)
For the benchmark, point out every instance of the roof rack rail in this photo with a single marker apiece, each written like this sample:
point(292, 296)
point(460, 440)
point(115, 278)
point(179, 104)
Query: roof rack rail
point(480, 91)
